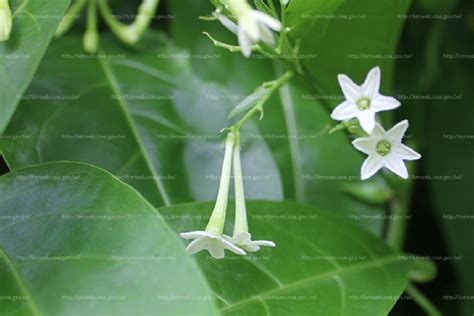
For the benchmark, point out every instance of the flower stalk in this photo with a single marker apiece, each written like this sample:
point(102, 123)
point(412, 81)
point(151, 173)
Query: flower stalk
point(91, 36)
point(130, 34)
point(70, 17)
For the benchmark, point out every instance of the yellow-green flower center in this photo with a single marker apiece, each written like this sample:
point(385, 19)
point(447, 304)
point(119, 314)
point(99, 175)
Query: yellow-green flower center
point(383, 147)
point(363, 104)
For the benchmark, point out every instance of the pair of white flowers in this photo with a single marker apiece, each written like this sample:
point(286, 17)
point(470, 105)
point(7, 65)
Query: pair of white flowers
point(213, 238)
point(384, 148)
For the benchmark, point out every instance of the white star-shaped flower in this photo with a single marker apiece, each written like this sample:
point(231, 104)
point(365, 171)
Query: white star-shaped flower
point(363, 102)
point(385, 149)
point(244, 241)
point(253, 26)
point(212, 242)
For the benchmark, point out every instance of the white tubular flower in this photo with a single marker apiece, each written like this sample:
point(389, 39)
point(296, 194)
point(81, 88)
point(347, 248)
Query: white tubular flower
point(253, 25)
point(241, 236)
point(5, 21)
point(385, 149)
point(213, 239)
point(363, 102)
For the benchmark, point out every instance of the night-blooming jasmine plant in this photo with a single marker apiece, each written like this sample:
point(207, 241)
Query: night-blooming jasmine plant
point(241, 236)
point(212, 238)
point(252, 25)
point(385, 149)
point(363, 102)
point(5, 20)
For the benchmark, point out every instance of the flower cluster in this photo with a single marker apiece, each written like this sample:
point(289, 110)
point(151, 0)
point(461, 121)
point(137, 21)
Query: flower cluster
point(384, 148)
point(129, 34)
point(213, 238)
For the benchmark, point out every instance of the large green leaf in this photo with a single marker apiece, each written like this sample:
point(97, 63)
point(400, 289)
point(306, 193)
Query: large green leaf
point(81, 242)
point(322, 264)
point(33, 27)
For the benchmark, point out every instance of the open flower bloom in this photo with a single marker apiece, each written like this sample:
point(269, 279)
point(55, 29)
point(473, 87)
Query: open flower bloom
point(215, 243)
point(213, 239)
point(5, 21)
point(253, 25)
point(241, 236)
point(385, 149)
point(363, 102)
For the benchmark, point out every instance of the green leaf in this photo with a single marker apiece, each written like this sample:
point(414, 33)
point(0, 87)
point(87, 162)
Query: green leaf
point(322, 264)
point(16, 299)
point(145, 117)
point(83, 243)
point(34, 24)
point(340, 37)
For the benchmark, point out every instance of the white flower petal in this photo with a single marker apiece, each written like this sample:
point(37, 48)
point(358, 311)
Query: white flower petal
point(378, 132)
point(266, 35)
point(365, 145)
point(194, 234)
point(345, 111)
point(230, 246)
point(396, 133)
point(228, 23)
point(382, 103)
point(245, 43)
point(242, 238)
point(396, 165)
point(367, 120)
point(266, 20)
point(351, 91)
point(266, 243)
point(197, 245)
point(371, 85)
point(371, 165)
point(216, 250)
point(405, 152)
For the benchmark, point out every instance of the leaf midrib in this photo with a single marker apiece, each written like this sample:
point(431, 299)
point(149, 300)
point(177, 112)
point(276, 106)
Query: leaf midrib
point(21, 286)
point(112, 80)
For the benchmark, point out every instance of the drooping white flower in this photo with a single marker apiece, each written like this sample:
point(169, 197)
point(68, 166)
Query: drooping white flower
point(244, 241)
point(215, 243)
point(213, 239)
point(252, 25)
point(241, 236)
point(385, 149)
point(363, 102)
point(5, 21)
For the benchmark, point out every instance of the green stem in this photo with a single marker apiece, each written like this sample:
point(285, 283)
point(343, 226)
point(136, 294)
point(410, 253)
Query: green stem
point(397, 225)
point(422, 301)
point(399, 206)
point(70, 17)
point(274, 85)
point(91, 36)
